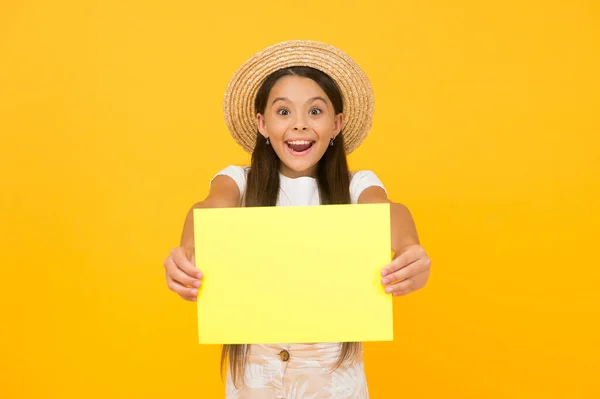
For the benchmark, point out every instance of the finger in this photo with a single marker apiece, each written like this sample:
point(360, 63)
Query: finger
point(401, 288)
point(406, 272)
point(401, 261)
point(190, 294)
point(180, 277)
point(183, 263)
point(408, 285)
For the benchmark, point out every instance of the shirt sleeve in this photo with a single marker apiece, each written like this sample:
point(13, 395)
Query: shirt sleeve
point(237, 173)
point(362, 180)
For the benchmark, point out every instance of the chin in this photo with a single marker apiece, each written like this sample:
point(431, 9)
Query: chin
point(300, 167)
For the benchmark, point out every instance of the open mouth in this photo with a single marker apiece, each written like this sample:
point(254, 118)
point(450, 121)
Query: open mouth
point(299, 147)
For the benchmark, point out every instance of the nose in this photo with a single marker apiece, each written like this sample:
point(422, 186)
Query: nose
point(300, 125)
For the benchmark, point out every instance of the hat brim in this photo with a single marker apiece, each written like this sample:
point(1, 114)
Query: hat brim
point(355, 87)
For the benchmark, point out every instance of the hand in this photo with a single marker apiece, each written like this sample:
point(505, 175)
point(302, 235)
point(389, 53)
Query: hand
point(183, 277)
point(408, 272)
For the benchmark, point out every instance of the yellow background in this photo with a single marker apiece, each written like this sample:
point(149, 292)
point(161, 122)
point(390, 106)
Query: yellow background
point(486, 126)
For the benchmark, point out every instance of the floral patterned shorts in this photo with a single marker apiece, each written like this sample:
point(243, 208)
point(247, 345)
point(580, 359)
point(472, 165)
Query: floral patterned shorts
point(299, 371)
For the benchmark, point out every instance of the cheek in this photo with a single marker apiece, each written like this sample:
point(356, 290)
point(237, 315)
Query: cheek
point(322, 146)
point(323, 127)
point(276, 127)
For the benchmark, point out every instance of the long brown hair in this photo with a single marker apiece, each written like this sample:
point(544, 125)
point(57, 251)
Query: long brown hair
point(262, 189)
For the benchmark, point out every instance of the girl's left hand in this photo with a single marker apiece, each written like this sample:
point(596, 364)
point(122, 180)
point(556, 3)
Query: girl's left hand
point(408, 272)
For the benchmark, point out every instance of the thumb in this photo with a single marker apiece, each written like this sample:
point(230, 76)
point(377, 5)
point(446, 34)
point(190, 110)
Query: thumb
point(190, 253)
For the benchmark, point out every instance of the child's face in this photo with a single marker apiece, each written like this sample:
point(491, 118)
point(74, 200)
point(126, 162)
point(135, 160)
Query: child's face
point(300, 121)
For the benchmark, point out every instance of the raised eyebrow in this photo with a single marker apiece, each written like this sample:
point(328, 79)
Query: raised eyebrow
point(308, 101)
point(279, 99)
point(316, 98)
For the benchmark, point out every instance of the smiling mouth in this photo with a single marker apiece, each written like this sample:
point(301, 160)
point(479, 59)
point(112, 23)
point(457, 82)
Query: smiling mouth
point(299, 146)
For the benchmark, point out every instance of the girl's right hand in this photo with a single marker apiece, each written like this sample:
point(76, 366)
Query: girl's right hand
point(183, 277)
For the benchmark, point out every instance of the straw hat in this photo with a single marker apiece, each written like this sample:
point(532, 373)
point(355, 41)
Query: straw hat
point(357, 93)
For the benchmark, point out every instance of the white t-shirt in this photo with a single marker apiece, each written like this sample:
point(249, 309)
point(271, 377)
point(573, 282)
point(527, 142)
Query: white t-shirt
point(303, 191)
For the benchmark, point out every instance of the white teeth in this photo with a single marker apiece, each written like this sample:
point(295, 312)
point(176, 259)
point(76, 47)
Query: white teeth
point(299, 142)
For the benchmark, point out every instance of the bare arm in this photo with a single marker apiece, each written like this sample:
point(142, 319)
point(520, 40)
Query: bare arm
point(409, 271)
point(182, 275)
point(404, 231)
point(224, 193)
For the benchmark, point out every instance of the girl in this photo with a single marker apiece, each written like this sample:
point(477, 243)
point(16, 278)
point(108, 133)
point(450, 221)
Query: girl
point(299, 108)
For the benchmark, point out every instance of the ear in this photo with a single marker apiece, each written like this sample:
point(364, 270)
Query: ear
point(338, 122)
point(261, 125)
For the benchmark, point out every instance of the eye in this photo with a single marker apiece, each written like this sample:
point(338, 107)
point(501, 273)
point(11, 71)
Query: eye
point(315, 111)
point(283, 111)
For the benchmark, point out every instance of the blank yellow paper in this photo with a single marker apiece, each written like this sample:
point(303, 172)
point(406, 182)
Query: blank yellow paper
point(293, 274)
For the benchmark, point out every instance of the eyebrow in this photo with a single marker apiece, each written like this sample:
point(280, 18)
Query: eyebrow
point(309, 100)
